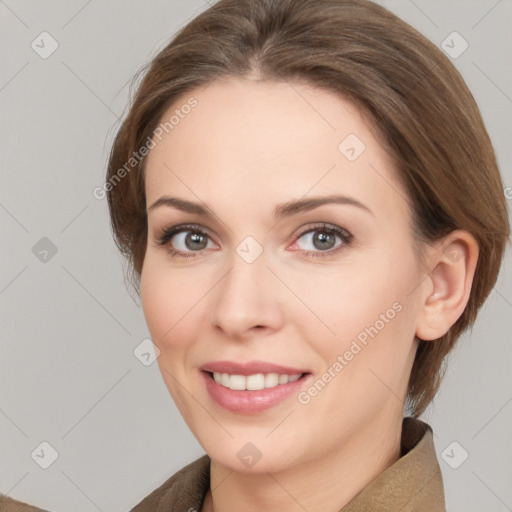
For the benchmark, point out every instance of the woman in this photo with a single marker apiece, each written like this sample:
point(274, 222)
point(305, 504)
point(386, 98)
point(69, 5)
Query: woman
point(316, 218)
point(313, 214)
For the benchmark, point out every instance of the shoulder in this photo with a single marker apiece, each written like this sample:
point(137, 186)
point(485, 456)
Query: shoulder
point(9, 505)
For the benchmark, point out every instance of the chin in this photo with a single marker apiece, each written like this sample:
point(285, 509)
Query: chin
point(259, 456)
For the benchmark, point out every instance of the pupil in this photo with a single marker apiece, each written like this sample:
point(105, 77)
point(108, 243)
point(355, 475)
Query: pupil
point(323, 240)
point(195, 239)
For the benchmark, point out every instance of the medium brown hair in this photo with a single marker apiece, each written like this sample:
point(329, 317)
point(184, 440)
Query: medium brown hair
point(418, 102)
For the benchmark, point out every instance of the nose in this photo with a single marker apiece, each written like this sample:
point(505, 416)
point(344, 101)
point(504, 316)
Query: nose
point(248, 300)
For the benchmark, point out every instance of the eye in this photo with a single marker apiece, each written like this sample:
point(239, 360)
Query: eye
point(323, 238)
point(191, 240)
point(184, 240)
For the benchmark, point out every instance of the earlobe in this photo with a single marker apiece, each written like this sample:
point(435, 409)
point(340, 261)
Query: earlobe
point(448, 285)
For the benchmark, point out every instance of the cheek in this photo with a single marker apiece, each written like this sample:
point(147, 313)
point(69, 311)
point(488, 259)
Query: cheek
point(163, 300)
point(343, 303)
point(366, 301)
point(173, 302)
point(165, 304)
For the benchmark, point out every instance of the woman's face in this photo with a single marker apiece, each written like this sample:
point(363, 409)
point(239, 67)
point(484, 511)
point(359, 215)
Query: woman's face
point(271, 273)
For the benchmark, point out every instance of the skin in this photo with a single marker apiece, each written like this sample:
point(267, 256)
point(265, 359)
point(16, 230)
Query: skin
point(246, 147)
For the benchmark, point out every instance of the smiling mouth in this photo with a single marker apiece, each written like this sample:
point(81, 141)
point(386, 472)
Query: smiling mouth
point(254, 382)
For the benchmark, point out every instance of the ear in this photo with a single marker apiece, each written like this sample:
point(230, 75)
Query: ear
point(447, 287)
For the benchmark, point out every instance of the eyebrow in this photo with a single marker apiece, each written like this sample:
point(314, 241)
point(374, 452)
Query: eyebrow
point(281, 211)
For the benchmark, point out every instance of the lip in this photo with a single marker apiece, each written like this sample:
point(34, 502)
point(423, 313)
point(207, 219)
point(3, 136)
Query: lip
point(250, 402)
point(250, 368)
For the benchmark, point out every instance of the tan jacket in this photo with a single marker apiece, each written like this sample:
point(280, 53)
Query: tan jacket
point(10, 505)
point(412, 484)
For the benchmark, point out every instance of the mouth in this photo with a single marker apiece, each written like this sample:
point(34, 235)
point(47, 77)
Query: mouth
point(253, 393)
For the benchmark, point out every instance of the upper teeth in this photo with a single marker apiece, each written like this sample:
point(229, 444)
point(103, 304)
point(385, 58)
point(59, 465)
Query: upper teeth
point(253, 382)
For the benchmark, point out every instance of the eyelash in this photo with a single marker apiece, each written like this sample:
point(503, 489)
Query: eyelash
point(347, 238)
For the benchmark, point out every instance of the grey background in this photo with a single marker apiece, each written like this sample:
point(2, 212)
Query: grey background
point(68, 375)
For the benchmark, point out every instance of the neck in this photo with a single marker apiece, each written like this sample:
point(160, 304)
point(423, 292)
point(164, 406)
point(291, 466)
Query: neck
point(324, 484)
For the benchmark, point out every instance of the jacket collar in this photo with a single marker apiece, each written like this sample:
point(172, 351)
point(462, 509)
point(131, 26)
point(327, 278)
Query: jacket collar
point(413, 483)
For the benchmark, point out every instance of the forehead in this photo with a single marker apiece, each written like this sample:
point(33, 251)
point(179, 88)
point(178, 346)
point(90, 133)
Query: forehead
point(260, 141)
